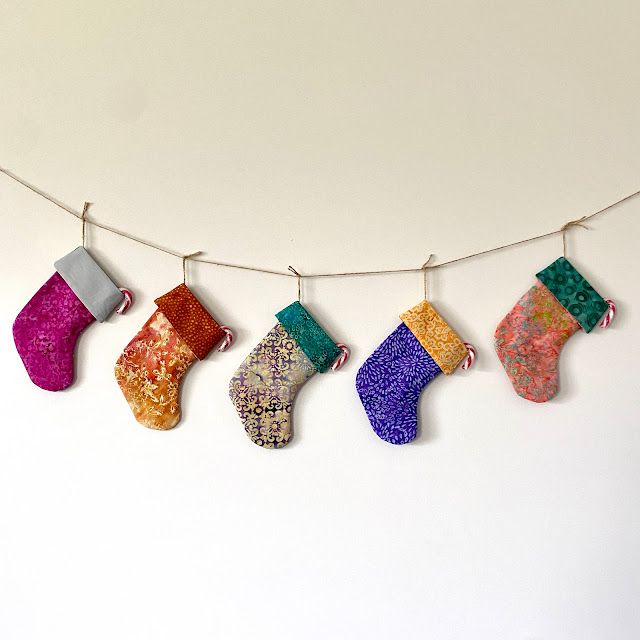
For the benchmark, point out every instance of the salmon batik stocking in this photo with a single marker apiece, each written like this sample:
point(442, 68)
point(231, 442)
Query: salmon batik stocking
point(151, 367)
point(530, 338)
point(47, 329)
point(390, 381)
point(266, 383)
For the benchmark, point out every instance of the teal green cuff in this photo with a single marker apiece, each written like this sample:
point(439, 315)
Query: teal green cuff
point(310, 336)
point(574, 293)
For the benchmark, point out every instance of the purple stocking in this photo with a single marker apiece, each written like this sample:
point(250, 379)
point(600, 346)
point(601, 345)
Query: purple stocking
point(389, 385)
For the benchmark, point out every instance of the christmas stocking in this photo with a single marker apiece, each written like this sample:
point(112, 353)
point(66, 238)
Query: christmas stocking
point(529, 339)
point(47, 329)
point(390, 381)
point(151, 367)
point(263, 388)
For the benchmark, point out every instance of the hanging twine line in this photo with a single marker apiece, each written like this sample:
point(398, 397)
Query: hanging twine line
point(83, 217)
point(299, 276)
point(291, 273)
point(425, 271)
point(184, 264)
point(565, 227)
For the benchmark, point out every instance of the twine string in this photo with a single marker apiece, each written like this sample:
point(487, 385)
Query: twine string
point(76, 214)
point(292, 273)
point(425, 271)
point(83, 216)
point(184, 264)
point(565, 227)
point(299, 276)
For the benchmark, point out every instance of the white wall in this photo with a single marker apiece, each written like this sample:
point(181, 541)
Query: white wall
point(331, 136)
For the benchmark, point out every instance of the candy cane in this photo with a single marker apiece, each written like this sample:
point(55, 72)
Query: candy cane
point(611, 312)
point(126, 303)
point(344, 356)
point(471, 356)
point(228, 340)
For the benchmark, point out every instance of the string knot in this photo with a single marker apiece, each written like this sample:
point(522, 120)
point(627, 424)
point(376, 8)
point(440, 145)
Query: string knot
point(566, 226)
point(299, 276)
point(184, 264)
point(574, 223)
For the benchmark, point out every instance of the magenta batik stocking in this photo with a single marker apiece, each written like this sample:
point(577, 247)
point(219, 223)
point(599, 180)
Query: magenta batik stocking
point(47, 329)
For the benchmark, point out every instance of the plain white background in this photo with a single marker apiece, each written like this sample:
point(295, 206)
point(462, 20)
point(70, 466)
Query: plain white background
point(331, 136)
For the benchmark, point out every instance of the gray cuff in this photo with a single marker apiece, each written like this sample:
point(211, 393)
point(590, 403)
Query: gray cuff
point(90, 283)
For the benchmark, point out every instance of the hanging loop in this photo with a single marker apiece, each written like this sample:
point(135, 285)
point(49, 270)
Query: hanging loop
point(342, 358)
point(425, 268)
point(565, 227)
point(184, 264)
point(610, 315)
point(471, 355)
point(299, 276)
point(83, 217)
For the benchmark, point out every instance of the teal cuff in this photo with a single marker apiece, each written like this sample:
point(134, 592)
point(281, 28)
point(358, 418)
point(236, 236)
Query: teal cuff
point(573, 292)
point(310, 336)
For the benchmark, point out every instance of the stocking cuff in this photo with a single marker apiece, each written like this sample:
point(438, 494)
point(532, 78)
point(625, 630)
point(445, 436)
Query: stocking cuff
point(90, 283)
point(573, 292)
point(193, 323)
point(310, 336)
point(438, 339)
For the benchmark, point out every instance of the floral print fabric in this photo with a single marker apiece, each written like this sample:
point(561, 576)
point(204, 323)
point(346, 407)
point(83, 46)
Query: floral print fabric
point(149, 372)
point(435, 335)
point(389, 384)
point(265, 385)
point(574, 293)
point(46, 331)
point(529, 340)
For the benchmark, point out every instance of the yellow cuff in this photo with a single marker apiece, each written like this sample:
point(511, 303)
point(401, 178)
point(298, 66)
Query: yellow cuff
point(439, 340)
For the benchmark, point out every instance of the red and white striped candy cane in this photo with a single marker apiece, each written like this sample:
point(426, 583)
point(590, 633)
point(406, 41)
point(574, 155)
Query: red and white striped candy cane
point(606, 321)
point(126, 303)
point(344, 356)
point(228, 340)
point(471, 356)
